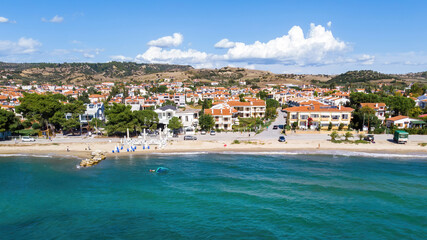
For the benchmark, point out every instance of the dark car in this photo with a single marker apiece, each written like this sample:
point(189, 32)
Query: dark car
point(213, 132)
point(369, 138)
point(281, 126)
point(275, 127)
point(282, 139)
point(190, 137)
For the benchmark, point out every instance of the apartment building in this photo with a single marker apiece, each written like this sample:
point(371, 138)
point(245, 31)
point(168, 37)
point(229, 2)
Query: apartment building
point(249, 109)
point(223, 117)
point(313, 116)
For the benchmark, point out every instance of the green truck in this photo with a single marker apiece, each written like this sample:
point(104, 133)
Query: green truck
point(400, 136)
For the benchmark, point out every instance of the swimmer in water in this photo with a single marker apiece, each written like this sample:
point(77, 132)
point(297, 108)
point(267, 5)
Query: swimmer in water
point(152, 170)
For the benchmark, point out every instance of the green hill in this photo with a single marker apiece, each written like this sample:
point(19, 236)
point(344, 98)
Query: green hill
point(359, 76)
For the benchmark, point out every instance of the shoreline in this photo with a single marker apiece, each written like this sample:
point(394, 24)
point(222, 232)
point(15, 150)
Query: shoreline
point(222, 147)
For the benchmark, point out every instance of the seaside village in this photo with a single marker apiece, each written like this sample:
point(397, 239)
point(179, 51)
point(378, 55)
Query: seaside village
point(180, 106)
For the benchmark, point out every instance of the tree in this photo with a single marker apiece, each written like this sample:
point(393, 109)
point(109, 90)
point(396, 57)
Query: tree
point(206, 122)
point(174, 123)
point(120, 118)
point(241, 97)
point(415, 112)
point(270, 113)
point(71, 124)
point(330, 126)
point(365, 117)
point(348, 135)
point(262, 95)
point(361, 136)
point(84, 97)
point(341, 126)
point(272, 103)
point(169, 103)
point(334, 135)
point(7, 119)
point(39, 107)
point(207, 104)
point(146, 119)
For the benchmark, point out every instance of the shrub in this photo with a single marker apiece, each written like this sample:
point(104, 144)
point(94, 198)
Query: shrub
point(334, 135)
point(236, 142)
point(330, 126)
point(35, 126)
point(341, 126)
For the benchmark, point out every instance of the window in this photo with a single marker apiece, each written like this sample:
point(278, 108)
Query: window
point(186, 118)
point(294, 116)
point(325, 116)
point(345, 116)
point(335, 117)
point(304, 116)
point(314, 115)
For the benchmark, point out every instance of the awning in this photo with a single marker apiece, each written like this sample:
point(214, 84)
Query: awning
point(418, 122)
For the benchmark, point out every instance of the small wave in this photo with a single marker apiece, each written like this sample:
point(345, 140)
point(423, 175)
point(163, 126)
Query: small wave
point(314, 152)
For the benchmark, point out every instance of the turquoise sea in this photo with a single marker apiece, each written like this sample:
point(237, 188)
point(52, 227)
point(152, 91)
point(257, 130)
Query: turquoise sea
point(215, 196)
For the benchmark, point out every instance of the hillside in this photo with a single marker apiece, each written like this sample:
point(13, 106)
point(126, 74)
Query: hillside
point(359, 76)
point(82, 73)
point(93, 73)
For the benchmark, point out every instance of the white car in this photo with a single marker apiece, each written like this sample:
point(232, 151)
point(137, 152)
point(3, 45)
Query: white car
point(28, 139)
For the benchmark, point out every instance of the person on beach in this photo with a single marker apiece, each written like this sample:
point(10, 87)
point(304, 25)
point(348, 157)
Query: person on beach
point(68, 148)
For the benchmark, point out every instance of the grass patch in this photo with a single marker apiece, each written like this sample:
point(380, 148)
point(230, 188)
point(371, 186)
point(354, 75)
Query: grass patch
point(422, 144)
point(236, 142)
point(350, 141)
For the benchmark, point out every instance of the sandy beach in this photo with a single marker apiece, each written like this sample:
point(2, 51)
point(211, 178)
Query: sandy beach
point(300, 142)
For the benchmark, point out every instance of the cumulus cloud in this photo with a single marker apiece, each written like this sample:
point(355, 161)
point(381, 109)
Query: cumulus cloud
point(293, 48)
point(6, 20)
point(157, 54)
point(55, 19)
point(225, 43)
point(316, 48)
point(22, 46)
point(167, 41)
point(120, 58)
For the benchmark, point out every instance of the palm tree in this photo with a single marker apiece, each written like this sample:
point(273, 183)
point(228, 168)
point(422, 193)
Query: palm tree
point(334, 135)
point(361, 136)
point(348, 135)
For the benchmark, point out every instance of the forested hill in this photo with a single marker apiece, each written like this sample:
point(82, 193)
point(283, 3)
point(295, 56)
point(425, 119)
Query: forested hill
point(84, 72)
point(359, 76)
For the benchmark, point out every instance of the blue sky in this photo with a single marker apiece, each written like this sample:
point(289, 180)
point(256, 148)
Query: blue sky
point(280, 36)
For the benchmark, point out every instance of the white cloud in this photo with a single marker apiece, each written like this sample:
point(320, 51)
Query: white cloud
point(76, 42)
point(121, 58)
point(6, 20)
point(329, 24)
point(55, 19)
point(22, 46)
point(89, 53)
point(168, 41)
point(225, 43)
point(293, 48)
point(159, 55)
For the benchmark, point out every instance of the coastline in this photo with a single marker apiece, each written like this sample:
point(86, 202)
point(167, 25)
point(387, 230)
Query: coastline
point(77, 150)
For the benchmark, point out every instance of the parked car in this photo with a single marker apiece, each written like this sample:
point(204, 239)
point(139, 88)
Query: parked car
point(282, 139)
point(28, 139)
point(369, 138)
point(275, 127)
point(203, 132)
point(188, 137)
point(281, 126)
point(213, 132)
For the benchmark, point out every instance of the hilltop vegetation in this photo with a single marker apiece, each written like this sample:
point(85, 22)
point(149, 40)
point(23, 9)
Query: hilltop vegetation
point(359, 76)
